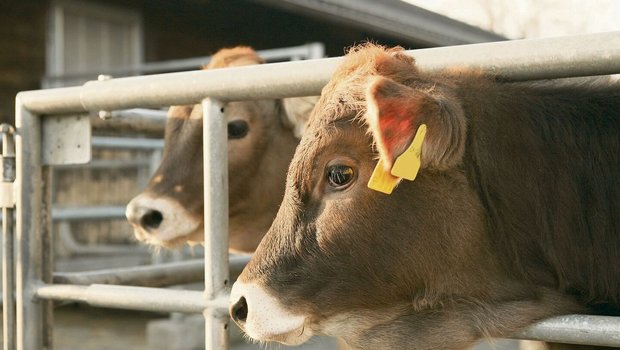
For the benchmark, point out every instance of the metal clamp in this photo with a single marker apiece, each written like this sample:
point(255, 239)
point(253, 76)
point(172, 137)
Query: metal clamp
point(104, 115)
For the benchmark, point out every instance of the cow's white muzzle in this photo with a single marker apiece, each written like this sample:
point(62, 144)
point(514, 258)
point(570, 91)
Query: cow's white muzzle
point(263, 318)
point(161, 220)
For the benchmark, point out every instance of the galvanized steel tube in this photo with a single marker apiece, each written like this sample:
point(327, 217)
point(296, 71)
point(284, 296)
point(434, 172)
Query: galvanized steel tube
point(159, 275)
point(576, 329)
point(8, 243)
point(8, 280)
point(215, 154)
point(28, 255)
point(591, 54)
point(47, 254)
point(132, 143)
point(132, 298)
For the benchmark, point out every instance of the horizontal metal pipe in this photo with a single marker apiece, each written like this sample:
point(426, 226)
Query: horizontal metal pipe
point(159, 275)
point(306, 51)
point(132, 298)
point(135, 120)
point(76, 248)
point(126, 143)
point(591, 54)
point(88, 213)
point(108, 164)
point(576, 329)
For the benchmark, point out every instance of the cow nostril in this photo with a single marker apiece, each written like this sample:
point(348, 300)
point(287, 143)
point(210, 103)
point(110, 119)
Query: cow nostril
point(151, 219)
point(239, 311)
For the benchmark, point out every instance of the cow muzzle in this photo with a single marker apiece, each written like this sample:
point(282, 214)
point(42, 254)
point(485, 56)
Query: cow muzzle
point(161, 221)
point(263, 318)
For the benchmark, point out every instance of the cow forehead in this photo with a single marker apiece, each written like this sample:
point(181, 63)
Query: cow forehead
point(324, 138)
point(345, 93)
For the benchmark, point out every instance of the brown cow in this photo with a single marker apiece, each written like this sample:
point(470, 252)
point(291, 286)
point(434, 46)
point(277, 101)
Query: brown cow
point(261, 141)
point(512, 218)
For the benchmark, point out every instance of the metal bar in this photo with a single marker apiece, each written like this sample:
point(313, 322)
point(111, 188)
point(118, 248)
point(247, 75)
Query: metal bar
point(137, 120)
point(29, 199)
point(576, 329)
point(216, 276)
point(88, 213)
point(107, 164)
point(132, 298)
point(307, 51)
point(47, 254)
point(8, 242)
point(591, 54)
point(76, 248)
point(127, 143)
point(160, 275)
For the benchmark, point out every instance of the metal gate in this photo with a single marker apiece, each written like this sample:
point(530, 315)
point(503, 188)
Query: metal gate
point(52, 129)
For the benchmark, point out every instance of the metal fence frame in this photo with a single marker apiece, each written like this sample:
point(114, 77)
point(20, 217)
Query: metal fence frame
point(292, 53)
point(584, 55)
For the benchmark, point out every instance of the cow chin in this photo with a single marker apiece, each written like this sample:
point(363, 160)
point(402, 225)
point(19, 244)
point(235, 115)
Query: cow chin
point(192, 238)
point(264, 318)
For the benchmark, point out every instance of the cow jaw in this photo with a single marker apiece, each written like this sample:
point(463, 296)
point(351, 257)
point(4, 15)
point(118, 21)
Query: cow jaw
point(263, 318)
point(174, 225)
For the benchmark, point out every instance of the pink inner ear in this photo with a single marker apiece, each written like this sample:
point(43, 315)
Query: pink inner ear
point(396, 124)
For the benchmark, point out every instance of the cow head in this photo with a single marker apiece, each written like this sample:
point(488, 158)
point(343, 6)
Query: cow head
point(406, 270)
point(261, 142)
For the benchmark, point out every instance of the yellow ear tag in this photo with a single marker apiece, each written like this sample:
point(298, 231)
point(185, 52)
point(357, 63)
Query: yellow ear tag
point(407, 164)
point(381, 180)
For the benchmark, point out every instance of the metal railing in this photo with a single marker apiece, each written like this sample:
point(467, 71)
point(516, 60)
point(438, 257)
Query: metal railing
point(595, 54)
point(293, 53)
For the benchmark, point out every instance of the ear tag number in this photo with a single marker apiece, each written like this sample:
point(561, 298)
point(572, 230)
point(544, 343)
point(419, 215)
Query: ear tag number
point(381, 180)
point(406, 166)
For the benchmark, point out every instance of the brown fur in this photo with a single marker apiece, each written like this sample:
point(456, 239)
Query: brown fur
point(232, 57)
point(521, 222)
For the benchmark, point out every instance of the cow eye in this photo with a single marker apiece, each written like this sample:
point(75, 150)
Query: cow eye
point(339, 176)
point(237, 129)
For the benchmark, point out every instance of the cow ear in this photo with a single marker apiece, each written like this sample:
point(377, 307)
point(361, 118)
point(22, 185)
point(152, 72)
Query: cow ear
point(180, 112)
point(297, 112)
point(394, 114)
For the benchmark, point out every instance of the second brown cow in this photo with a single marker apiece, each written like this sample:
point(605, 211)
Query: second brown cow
point(262, 136)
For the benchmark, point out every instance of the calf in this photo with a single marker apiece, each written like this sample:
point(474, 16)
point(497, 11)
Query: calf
point(262, 136)
point(512, 218)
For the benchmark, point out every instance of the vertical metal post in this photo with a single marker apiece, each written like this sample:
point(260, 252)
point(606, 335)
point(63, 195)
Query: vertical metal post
point(8, 243)
point(47, 254)
point(215, 155)
point(29, 205)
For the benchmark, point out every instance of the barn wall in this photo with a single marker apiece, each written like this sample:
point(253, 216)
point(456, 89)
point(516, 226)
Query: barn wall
point(22, 50)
